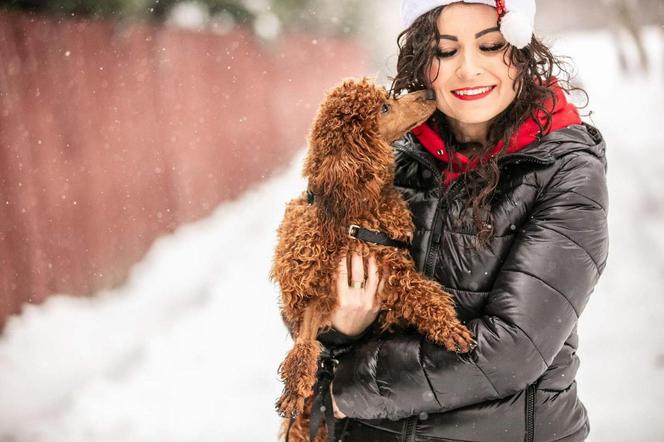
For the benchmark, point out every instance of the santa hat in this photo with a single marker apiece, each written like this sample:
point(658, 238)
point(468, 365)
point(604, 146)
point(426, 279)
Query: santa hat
point(516, 18)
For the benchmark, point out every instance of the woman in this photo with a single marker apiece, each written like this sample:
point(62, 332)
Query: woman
point(508, 192)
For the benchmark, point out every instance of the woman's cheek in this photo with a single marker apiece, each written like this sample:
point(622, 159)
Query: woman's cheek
point(432, 72)
point(436, 78)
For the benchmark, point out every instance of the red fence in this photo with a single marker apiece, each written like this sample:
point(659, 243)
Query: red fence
point(112, 134)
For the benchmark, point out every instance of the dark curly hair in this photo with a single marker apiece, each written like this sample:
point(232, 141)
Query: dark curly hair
point(535, 65)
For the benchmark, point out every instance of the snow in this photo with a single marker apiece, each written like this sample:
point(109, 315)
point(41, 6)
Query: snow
point(621, 378)
point(188, 348)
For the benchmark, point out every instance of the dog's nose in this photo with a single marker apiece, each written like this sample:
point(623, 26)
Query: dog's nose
point(430, 94)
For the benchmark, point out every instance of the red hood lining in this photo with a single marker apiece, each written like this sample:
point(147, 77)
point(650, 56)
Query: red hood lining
point(564, 114)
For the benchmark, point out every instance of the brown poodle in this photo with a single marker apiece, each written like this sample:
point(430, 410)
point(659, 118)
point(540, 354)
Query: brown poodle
point(350, 167)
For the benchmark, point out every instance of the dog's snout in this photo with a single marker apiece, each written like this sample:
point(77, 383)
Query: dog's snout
point(430, 94)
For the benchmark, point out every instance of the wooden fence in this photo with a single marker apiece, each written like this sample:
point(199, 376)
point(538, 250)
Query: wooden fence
point(113, 133)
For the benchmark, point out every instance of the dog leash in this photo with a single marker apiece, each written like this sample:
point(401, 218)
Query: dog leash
point(322, 405)
point(357, 232)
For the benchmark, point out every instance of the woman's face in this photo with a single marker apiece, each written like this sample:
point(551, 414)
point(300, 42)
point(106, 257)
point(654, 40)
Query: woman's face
point(473, 83)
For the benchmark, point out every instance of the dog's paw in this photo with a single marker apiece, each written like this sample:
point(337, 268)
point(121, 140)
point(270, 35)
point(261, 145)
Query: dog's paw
point(462, 339)
point(454, 337)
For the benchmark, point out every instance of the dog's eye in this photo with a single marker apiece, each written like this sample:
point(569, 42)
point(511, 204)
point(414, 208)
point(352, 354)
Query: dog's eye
point(384, 108)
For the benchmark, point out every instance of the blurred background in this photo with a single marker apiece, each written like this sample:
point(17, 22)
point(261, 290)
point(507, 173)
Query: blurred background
point(147, 151)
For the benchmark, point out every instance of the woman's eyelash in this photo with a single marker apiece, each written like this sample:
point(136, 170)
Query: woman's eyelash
point(493, 48)
point(444, 54)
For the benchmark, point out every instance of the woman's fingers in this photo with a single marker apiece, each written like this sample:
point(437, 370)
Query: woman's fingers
point(357, 307)
point(356, 268)
point(372, 277)
point(373, 283)
point(342, 275)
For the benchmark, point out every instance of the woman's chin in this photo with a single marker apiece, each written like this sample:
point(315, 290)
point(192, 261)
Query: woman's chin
point(472, 118)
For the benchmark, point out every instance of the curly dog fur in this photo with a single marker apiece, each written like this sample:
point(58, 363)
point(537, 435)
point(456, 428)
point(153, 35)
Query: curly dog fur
point(350, 168)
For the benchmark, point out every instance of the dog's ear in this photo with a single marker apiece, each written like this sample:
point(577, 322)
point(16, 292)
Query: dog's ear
point(347, 162)
point(349, 180)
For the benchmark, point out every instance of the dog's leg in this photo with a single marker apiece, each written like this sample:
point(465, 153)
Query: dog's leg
point(423, 303)
point(298, 370)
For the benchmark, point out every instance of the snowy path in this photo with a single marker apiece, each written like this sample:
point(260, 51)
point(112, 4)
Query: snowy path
point(188, 349)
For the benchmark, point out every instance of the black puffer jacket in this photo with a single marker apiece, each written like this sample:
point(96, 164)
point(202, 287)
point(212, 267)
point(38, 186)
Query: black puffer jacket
point(522, 298)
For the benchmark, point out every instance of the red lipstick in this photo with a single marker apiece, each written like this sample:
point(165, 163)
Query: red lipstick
point(472, 97)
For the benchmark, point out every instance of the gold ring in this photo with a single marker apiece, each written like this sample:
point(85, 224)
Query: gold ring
point(357, 284)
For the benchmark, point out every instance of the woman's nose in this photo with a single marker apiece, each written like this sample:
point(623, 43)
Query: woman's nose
point(468, 67)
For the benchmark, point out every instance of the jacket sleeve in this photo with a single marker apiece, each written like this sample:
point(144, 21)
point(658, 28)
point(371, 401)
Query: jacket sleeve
point(542, 287)
point(334, 338)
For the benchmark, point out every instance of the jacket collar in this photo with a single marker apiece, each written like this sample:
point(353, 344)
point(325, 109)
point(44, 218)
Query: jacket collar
point(554, 145)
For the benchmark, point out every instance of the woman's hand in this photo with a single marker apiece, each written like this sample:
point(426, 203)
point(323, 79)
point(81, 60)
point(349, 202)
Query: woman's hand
point(357, 306)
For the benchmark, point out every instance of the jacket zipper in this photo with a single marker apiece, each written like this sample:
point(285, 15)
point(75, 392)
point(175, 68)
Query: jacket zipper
point(437, 230)
point(409, 434)
point(530, 413)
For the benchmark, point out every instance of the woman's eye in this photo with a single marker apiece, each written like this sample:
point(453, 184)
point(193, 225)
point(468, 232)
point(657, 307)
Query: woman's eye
point(444, 54)
point(385, 108)
point(493, 48)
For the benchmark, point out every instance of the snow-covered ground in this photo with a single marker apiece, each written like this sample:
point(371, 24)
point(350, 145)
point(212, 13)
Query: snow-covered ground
point(188, 348)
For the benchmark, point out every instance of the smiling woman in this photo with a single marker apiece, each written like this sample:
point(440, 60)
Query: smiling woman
point(470, 101)
point(507, 190)
point(458, 48)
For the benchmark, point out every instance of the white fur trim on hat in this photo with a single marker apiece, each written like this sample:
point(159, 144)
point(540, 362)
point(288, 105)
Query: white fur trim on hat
point(412, 9)
point(518, 22)
point(516, 25)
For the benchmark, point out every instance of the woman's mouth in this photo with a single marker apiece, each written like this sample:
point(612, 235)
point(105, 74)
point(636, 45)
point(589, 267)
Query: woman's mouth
point(473, 93)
